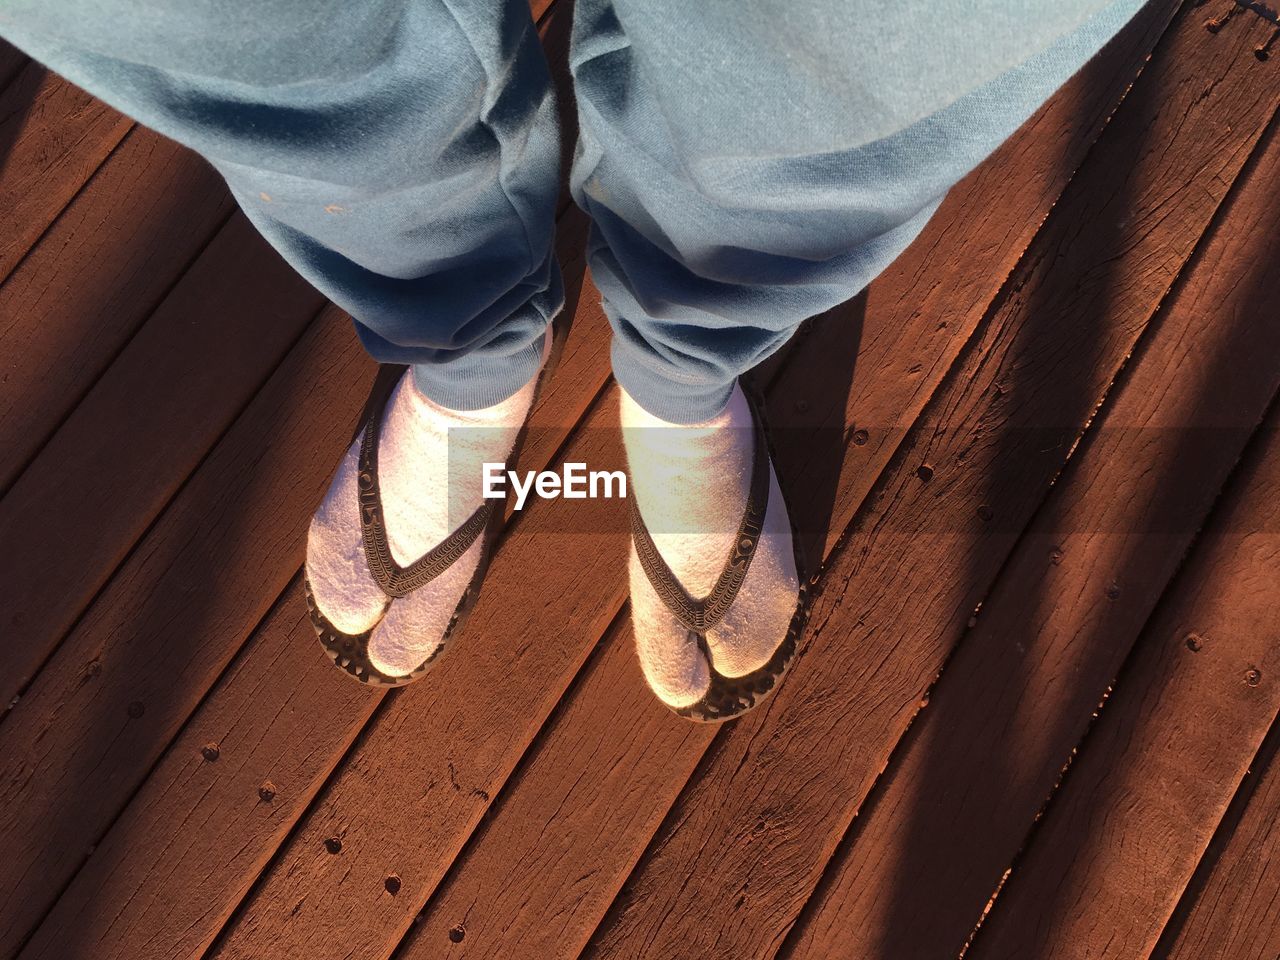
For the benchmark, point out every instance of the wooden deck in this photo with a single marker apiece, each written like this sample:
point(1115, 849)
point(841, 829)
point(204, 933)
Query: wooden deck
point(1036, 714)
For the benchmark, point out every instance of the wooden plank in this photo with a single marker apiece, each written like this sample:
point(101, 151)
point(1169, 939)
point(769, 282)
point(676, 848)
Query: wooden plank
point(955, 807)
point(82, 505)
point(572, 822)
point(54, 137)
point(117, 690)
point(566, 832)
point(88, 285)
point(121, 901)
point(1140, 804)
point(1231, 911)
point(188, 846)
point(744, 846)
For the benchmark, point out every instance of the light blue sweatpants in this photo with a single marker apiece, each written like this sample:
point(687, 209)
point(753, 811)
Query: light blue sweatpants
point(745, 164)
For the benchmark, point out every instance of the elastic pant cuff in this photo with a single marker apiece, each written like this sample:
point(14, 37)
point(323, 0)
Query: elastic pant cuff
point(479, 380)
point(682, 401)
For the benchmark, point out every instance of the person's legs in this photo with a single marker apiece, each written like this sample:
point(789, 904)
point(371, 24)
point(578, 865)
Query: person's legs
point(747, 166)
point(403, 156)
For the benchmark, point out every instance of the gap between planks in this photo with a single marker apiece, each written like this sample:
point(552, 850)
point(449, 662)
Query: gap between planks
point(1213, 921)
point(1120, 842)
point(1120, 517)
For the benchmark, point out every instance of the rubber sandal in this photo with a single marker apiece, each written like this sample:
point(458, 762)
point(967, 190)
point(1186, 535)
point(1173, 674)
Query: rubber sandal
point(727, 697)
point(350, 652)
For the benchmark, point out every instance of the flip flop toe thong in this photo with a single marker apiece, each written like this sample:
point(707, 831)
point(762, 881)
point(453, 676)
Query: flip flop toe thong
point(727, 697)
point(350, 652)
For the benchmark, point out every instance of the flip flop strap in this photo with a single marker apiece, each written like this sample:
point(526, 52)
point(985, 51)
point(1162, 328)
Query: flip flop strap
point(700, 615)
point(395, 580)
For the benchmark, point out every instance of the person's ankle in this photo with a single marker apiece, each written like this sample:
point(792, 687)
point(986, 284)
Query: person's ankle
point(690, 483)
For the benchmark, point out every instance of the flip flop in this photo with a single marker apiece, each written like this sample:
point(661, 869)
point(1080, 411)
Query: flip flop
point(727, 697)
point(350, 652)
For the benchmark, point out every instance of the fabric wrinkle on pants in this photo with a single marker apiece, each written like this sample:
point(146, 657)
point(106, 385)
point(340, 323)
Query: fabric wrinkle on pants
point(744, 166)
point(400, 154)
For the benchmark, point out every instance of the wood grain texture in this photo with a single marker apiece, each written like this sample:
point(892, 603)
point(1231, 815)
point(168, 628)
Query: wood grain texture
point(568, 829)
point(1233, 912)
point(94, 277)
point(81, 505)
point(955, 806)
point(1139, 805)
point(546, 863)
point(52, 137)
point(113, 696)
point(743, 848)
point(149, 888)
point(169, 872)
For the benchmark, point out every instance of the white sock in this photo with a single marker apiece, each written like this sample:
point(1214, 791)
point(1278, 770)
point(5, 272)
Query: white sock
point(429, 457)
point(691, 485)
